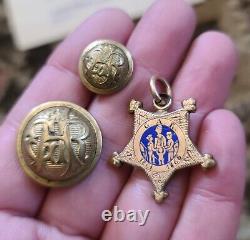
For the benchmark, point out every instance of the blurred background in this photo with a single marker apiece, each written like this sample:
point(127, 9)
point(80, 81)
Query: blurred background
point(19, 63)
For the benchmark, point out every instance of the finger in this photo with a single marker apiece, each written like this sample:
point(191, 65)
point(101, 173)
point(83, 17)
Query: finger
point(214, 200)
point(203, 68)
point(58, 80)
point(24, 228)
point(101, 188)
point(163, 36)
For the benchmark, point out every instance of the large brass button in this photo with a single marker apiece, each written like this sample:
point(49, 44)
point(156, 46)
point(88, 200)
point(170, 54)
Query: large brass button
point(105, 66)
point(58, 144)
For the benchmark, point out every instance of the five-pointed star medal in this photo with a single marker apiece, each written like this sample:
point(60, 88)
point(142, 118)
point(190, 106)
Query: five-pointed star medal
point(161, 145)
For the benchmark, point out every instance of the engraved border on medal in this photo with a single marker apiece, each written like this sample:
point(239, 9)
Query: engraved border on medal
point(74, 179)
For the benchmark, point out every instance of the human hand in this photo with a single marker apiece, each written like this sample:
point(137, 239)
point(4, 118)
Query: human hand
point(200, 205)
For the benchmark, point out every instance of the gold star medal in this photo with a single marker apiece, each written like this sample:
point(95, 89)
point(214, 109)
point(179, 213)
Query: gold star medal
point(160, 144)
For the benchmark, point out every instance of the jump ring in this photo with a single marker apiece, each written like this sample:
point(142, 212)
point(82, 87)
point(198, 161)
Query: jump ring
point(158, 97)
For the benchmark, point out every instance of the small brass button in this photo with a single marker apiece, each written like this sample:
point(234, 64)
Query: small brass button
point(58, 144)
point(105, 66)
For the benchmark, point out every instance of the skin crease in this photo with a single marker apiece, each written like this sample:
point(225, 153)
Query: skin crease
point(159, 44)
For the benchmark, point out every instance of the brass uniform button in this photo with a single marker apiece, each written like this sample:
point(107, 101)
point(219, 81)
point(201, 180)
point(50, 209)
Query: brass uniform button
point(105, 66)
point(58, 144)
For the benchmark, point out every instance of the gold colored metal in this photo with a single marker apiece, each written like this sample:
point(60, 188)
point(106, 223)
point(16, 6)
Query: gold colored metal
point(105, 66)
point(160, 144)
point(58, 144)
point(161, 101)
point(154, 91)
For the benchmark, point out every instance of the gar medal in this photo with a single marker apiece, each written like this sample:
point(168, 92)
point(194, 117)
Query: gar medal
point(160, 144)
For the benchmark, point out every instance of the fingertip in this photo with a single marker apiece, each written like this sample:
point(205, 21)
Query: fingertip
point(118, 19)
point(163, 35)
point(220, 47)
point(208, 70)
point(109, 23)
point(190, 15)
point(179, 7)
